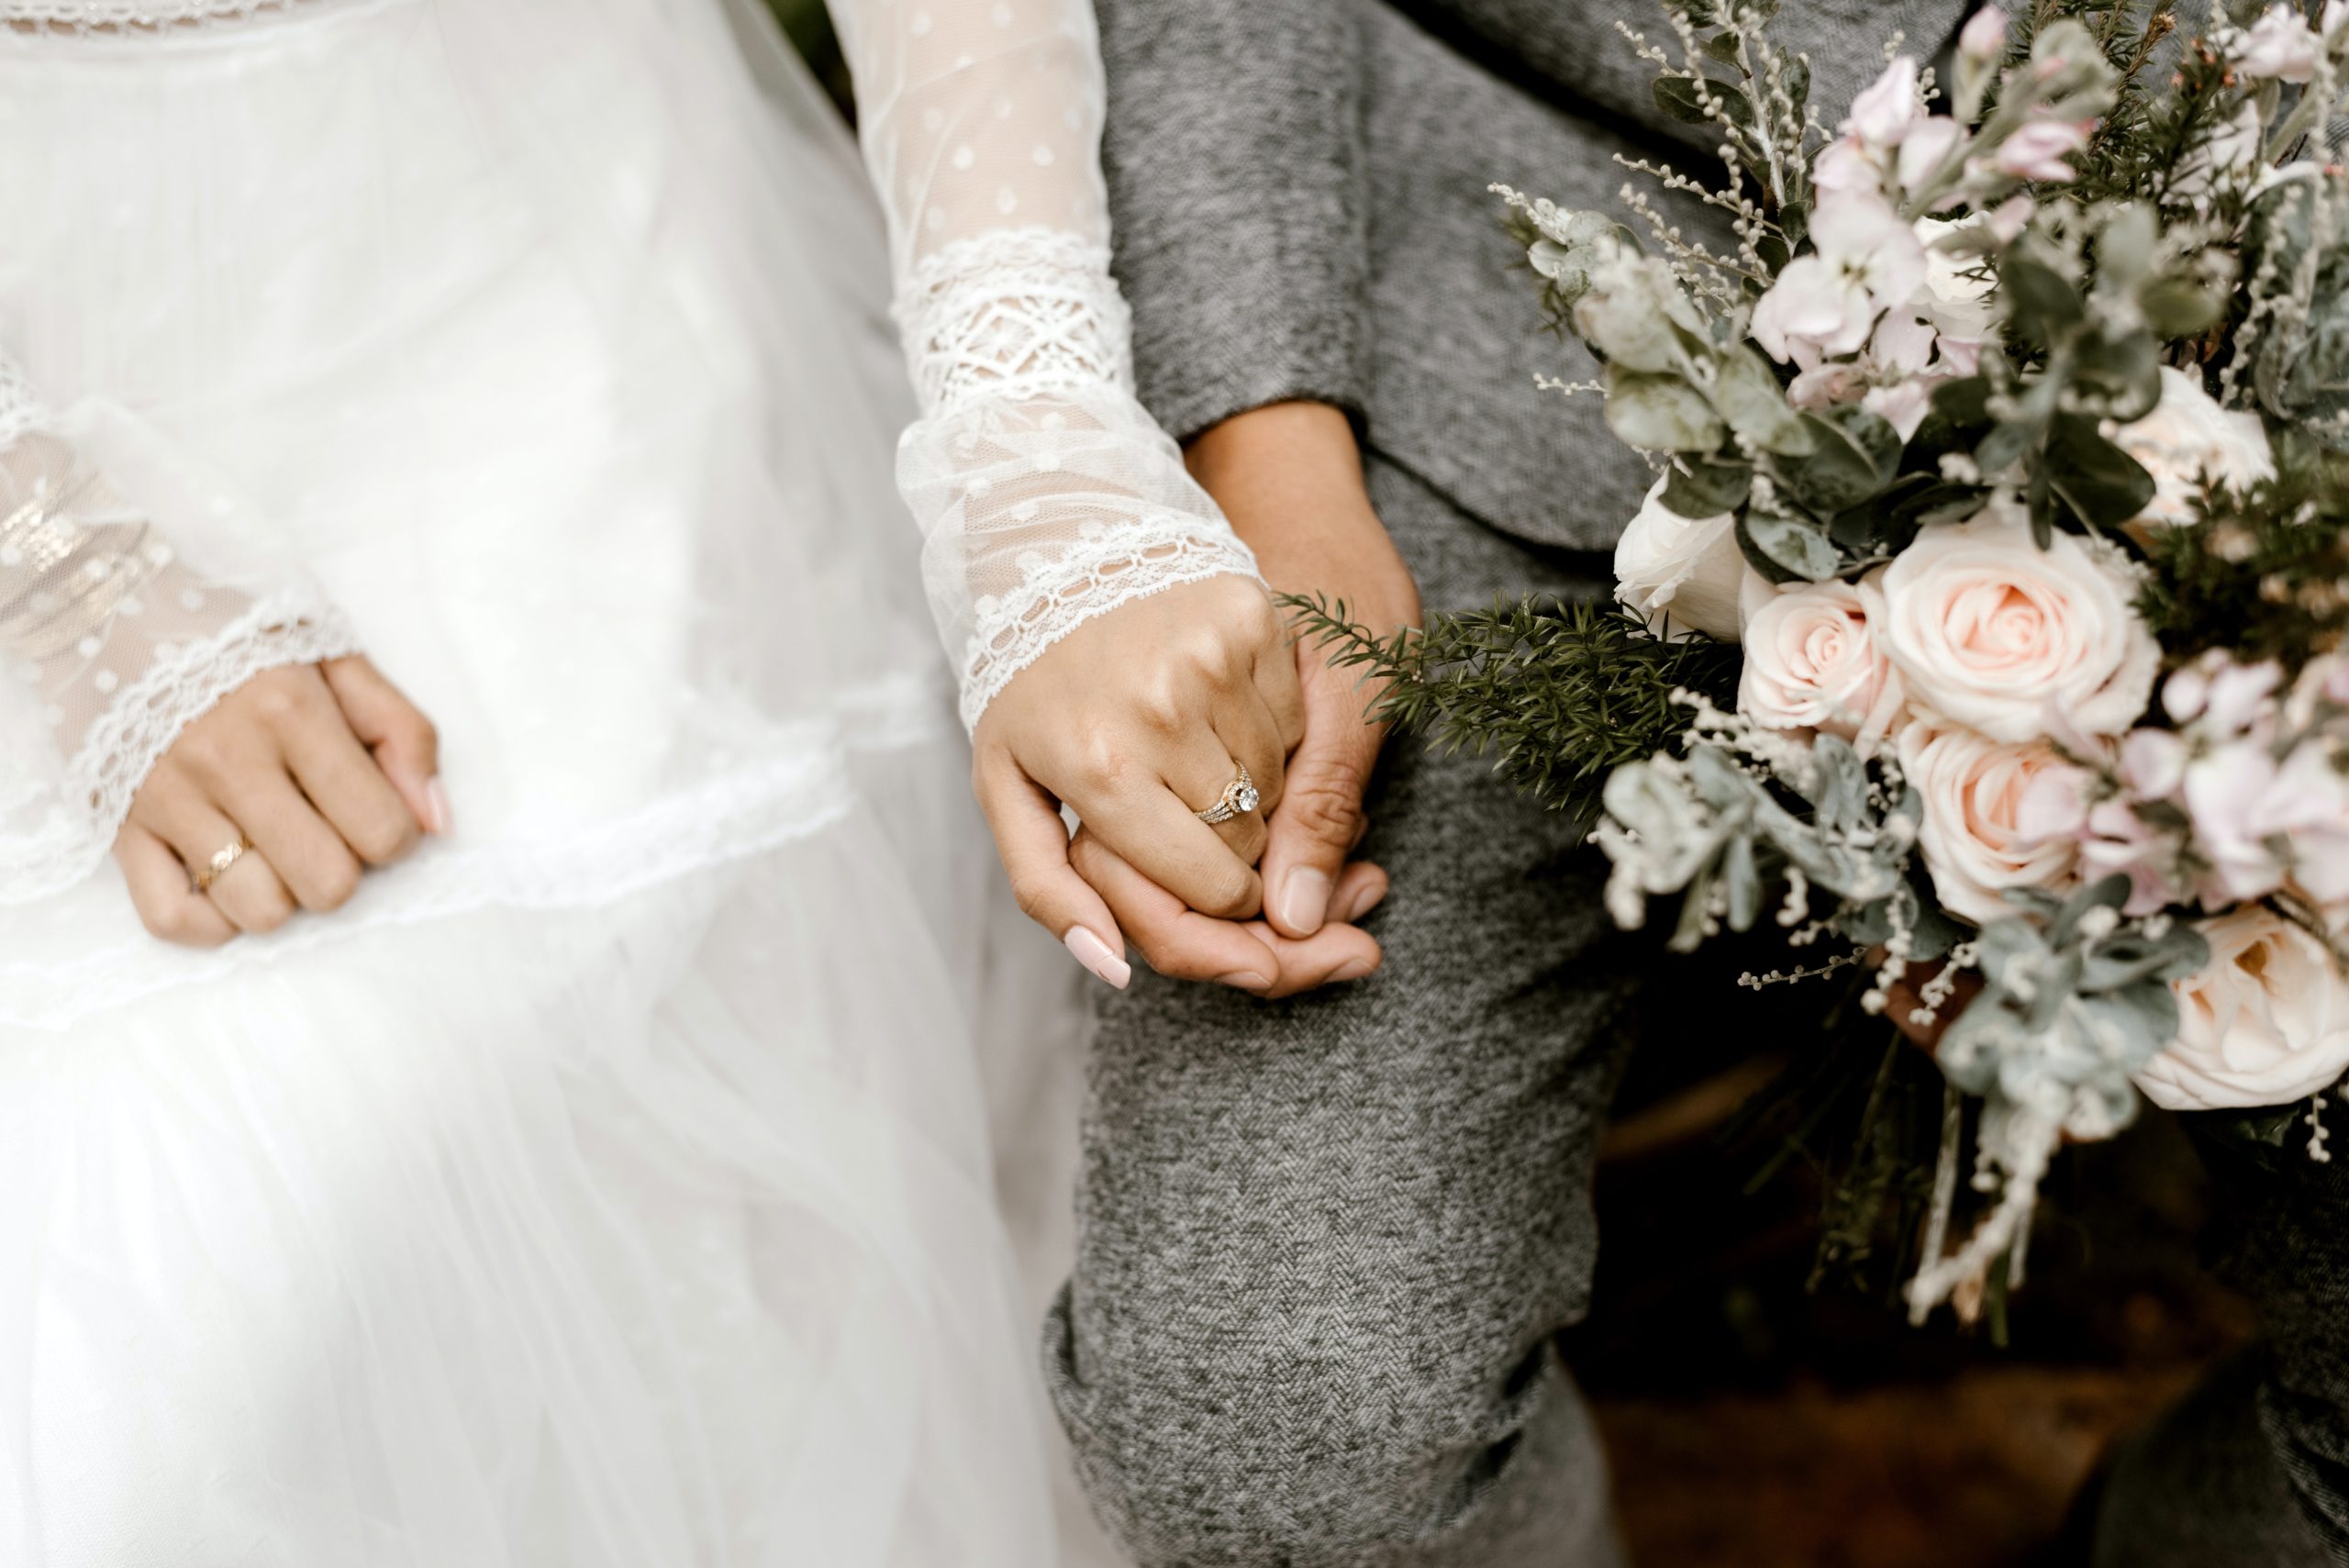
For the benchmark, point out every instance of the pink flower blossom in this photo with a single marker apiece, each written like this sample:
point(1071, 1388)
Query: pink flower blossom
point(1985, 37)
point(2152, 763)
point(2056, 804)
point(2231, 795)
point(2279, 47)
point(1903, 405)
point(1890, 107)
point(2012, 217)
point(1863, 235)
point(1843, 167)
point(1812, 312)
point(1925, 147)
point(2118, 839)
point(2037, 150)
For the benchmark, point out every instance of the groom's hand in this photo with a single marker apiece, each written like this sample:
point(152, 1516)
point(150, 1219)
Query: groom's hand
point(1289, 477)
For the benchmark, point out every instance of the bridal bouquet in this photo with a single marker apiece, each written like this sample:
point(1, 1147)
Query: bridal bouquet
point(1984, 626)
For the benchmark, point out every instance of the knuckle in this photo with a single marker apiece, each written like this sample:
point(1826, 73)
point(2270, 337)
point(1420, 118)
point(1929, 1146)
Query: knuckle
point(172, 922)
point(1227, 891)
point(1033, 896)
point(275, 699)
point(1325, 802)
point(385, 836)
point(203, 753)
point(1101, 763)
point(335, 882)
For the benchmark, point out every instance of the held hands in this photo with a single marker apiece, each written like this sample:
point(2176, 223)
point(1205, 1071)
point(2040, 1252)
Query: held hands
point(1136, 721)
point(318, 772)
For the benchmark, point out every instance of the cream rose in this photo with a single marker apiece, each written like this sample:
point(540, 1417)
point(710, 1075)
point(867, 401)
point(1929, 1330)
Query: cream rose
point(1812, 661)
point(1988, 629)
point(2265, 1023)
point(2188, 439)
point(1972, 836)
point(1684, 570)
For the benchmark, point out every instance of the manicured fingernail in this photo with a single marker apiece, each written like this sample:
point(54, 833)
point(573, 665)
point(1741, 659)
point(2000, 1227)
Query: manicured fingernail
point(437, 817)
point(1305, 900)
point(1244, 980)
point(1095, 955)
point(1363, 900)
point(1353, 969)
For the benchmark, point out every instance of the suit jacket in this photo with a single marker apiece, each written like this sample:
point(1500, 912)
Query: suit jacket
point(1300, 191)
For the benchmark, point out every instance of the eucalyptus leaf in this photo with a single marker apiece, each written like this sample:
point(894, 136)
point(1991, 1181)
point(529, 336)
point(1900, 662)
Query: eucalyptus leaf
point(1660, 413)
point(1695, 487)
point(2104, 486)
point(1786, 550)
point(2126, 371)
point(1747, 394)
point(1853, 457)
point(2178, 307)
point(1677, 98)
point(2041, 304)
point(1743, 879)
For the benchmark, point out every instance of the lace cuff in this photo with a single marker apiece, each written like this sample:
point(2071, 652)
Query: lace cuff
point(1047, 495)
point(112, 646)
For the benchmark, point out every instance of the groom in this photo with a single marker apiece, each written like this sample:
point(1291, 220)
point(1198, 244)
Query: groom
point(1326, 1243)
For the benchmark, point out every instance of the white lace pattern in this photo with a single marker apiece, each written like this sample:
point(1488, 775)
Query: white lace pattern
point(1046, 494)
point(124, 16)
point(1013, 313)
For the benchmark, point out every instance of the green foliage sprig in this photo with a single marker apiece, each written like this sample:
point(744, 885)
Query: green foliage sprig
point(1559, 693)
point(2268, 579)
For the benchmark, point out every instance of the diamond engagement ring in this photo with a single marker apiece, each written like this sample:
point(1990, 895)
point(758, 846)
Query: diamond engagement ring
point(1238, 799)
point(218, 866)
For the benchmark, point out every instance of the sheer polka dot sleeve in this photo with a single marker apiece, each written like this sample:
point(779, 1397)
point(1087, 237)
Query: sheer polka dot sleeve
point(110, 642)
point(1046, 494)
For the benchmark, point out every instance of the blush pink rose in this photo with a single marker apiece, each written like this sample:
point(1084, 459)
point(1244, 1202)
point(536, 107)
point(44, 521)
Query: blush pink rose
point(1975, 836)
point(1991, 631)
point(2265, 1023)
point(1813, 662)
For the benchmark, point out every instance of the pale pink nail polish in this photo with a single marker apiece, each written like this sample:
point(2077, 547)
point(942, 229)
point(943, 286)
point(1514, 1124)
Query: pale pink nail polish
point(436, 819)
point(1098, 956)
point(1305, 900)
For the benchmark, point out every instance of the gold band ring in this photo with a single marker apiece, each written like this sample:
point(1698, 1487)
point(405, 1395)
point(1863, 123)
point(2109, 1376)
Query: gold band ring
point(218, 866)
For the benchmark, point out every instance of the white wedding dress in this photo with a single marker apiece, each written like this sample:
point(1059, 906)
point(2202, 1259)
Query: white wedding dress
point(608, 1186)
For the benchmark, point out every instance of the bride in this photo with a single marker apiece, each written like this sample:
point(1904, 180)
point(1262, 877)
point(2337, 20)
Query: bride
point(447, 558)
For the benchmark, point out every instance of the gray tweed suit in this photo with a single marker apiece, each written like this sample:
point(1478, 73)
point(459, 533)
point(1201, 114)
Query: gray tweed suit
point(1324, 1245)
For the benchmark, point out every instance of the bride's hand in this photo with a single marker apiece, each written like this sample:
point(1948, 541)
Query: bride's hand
point(1136, 721)
point(323, 770)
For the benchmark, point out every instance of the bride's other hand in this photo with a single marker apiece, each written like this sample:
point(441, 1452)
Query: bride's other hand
point(1137, 721)
point(323, 770)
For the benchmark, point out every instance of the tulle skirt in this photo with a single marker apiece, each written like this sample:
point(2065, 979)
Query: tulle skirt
point(608, 1186)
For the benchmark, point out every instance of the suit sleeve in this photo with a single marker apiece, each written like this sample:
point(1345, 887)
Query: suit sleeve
point(1235, 159)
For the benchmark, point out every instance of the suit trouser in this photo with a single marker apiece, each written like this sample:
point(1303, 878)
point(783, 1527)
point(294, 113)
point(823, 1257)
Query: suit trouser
point(2250, 1469)
point(1324, 1244)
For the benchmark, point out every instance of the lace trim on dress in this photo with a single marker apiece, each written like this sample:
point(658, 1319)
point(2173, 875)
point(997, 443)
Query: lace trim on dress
point(124, 16)
point(297, 626)
point(1107, 565)
point(1013, 313)
point(185, 682)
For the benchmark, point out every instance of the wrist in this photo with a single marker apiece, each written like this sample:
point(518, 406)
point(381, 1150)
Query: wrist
point(1289, 477)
